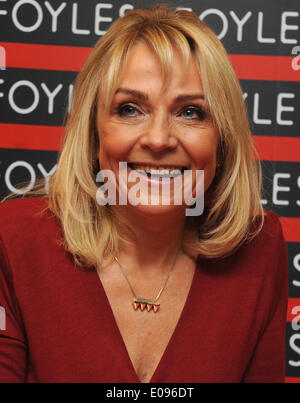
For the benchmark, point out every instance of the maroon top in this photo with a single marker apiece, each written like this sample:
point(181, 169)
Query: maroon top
point(60, 327)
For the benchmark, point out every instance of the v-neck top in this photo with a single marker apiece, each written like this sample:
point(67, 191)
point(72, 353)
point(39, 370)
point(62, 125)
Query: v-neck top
point(56, 324)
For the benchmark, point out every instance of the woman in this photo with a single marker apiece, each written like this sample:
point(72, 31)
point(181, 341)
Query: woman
point(181, 298)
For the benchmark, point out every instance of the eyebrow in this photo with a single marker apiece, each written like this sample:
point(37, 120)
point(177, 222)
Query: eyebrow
point(136, 94)
point(189, 97)
point(144, 97)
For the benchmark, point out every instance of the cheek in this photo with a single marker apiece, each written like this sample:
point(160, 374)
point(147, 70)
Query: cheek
point(208, 164)
point(204, 156)
point(114, 145)
point(204, 153)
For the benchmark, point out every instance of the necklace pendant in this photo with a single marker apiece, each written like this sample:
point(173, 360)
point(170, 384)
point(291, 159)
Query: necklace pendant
point(142, 303)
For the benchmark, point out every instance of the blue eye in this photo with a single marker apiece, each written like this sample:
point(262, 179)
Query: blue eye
point(193, 112)
point(127, 110)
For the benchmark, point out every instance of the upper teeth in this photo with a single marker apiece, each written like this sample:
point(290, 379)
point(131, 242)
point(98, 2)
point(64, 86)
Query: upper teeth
point(157, 170)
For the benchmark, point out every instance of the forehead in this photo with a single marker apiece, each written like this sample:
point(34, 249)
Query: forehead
point(144, 70)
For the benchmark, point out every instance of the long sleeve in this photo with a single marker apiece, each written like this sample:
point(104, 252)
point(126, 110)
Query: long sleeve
point(268, 361)
point(13, 355)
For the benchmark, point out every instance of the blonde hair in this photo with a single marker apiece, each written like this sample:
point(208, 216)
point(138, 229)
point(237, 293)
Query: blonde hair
point(232, 202)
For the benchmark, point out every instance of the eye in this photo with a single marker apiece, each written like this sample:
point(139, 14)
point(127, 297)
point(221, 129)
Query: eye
point(193, 112)
point(127, 110)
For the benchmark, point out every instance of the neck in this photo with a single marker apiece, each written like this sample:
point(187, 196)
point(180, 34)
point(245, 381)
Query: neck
point(153, 240)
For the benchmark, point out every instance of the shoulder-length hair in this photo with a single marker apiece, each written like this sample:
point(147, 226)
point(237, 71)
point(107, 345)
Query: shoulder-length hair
point(232, 202)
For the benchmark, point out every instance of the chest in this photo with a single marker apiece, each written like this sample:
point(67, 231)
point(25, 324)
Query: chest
point(95, 336)
point(147, 334)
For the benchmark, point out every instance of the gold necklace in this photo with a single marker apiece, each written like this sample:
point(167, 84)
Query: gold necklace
point(143, 303)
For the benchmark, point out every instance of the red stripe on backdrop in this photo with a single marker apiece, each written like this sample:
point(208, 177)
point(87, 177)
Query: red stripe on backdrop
point(293, 302)
point(256, 67)
point(71, 58)
point(31, 137)
point(291, 228)
point(45, 57)
point(274, 148)
point(292, 380)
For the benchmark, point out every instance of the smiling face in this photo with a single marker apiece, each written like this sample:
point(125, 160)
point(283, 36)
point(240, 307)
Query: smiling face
point(152, 125)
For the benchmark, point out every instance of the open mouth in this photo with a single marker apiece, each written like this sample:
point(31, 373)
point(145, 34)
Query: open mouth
point(158, 171)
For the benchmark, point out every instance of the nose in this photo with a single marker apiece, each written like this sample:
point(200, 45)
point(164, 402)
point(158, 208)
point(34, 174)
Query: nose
point(159, 136)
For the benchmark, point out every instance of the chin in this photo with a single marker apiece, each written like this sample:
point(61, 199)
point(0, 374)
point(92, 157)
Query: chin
point(153, 210)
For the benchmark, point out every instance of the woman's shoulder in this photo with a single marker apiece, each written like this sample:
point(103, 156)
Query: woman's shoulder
point(272, 226)
point(27, 216)
point(271, 232)
point(267, 246)
point(259, 247)
point(28, 233)
point(22, 207)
